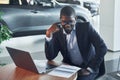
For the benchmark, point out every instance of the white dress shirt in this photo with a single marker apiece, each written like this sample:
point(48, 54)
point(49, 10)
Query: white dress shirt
point(73, 49)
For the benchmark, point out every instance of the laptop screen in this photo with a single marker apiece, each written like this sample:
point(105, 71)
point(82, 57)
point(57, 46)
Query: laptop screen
point(22, 59)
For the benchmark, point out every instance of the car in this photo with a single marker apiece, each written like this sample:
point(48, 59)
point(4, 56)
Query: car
point(71, 1)
point(35, 19)
point(91, 5)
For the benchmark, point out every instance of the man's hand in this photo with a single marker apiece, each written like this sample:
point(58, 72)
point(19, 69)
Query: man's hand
point(51, 30)
point(83, 72)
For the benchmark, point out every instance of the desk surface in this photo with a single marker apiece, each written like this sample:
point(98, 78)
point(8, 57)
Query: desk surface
point(12, 72)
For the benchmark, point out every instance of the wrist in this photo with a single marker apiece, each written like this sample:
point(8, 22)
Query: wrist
point(48, 38)
point(90, 69)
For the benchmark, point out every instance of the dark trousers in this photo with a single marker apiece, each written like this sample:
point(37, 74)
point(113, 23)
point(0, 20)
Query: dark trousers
point(87, 77)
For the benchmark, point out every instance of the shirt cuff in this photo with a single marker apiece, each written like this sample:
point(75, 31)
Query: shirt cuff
point(48, 38)
point(90, 69)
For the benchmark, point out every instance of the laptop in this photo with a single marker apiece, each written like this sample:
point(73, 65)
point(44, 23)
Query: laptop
point(24, 60)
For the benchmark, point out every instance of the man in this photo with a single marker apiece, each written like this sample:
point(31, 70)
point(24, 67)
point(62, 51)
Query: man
point(79, 44)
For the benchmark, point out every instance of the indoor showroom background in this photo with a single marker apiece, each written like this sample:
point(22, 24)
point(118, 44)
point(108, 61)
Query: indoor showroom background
point(107, 24)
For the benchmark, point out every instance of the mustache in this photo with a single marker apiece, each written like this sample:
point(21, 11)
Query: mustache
point(68, 28)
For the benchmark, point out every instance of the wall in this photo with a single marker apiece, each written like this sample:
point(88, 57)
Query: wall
point(109, 25)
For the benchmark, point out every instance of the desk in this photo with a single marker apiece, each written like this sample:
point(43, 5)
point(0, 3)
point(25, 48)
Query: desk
point(12, 72)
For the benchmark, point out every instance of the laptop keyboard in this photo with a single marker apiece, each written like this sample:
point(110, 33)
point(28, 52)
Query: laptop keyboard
point(43, 67)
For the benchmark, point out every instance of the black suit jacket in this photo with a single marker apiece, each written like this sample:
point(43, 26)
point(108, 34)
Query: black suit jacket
point(90, 44)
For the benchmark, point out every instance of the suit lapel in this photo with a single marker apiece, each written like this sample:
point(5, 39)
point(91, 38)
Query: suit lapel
point(78, 36)
point(81, 29)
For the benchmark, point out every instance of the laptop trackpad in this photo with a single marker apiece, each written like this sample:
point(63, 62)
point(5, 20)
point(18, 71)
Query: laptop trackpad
point(43, 67)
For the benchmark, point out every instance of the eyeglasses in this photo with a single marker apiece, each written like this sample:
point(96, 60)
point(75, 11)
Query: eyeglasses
point(71, 22)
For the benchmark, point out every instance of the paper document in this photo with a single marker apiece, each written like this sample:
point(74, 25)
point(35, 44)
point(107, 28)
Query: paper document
point(65, 71)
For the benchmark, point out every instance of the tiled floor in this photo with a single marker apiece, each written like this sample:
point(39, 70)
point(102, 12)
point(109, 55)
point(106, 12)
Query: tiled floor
point(35, 45)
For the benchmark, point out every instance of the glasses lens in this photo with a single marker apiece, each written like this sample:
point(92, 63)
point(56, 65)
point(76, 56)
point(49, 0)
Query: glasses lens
point(67, 22)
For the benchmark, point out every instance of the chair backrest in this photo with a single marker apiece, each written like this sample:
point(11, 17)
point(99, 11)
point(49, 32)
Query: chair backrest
point(81, 19)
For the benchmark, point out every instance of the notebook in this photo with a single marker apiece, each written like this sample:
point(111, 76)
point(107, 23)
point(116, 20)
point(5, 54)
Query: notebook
point(24, 60)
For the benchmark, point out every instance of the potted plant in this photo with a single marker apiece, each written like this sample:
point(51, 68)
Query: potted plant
point(5, 33)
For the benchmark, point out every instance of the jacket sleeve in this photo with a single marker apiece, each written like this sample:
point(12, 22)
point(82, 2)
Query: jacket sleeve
point(51, 48)
point(100, 48)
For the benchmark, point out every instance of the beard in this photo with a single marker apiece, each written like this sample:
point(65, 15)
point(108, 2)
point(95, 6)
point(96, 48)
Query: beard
point(68, 28)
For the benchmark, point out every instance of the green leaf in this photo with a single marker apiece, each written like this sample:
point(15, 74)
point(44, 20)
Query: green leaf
point(5, 33)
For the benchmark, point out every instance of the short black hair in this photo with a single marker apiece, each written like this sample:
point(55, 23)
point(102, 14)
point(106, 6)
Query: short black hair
point(67, 11)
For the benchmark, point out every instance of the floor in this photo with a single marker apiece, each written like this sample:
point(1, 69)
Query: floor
point(32, 44)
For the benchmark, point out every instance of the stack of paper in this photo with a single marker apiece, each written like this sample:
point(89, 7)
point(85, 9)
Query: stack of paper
point(65, 71)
